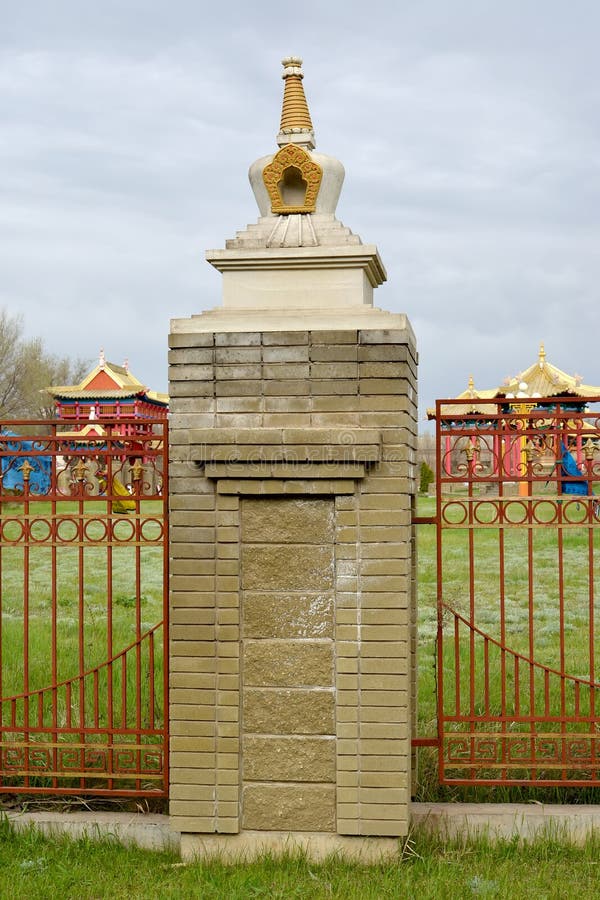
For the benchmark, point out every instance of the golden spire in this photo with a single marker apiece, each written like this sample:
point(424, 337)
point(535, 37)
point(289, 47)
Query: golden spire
point(296, 125)
point(294, 113)
point(471, 384)
point(542, 356)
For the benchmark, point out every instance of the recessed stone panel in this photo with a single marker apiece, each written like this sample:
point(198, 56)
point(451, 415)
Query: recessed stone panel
point(287, 521)
point(273, 711)
point(288, 615)
point(288, 664)
point(289, 759)
point(280, 567)
point(282, 807)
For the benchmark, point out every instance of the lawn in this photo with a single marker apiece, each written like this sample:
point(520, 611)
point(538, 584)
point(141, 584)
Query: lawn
point(32, 867)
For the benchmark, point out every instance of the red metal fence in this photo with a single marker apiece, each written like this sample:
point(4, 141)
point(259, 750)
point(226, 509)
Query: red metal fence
point(83, 608)
point(518, 589)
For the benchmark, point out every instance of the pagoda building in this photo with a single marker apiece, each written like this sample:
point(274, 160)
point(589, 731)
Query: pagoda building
point(541, 380)
point(110, 392)
point(533, 388)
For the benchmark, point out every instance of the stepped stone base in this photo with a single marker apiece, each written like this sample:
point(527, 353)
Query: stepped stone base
point(252, 844)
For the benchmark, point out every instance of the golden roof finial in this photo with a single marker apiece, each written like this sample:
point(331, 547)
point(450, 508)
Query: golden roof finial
point(296, 125)
point(471, 383)
point(542, 356)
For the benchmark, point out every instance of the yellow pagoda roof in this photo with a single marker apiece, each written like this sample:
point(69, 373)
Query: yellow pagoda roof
point(471, 393)
point(542, 379)
point(107, 381)
point(546, 380)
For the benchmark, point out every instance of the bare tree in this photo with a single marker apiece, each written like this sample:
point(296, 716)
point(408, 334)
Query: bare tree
point(26, 370)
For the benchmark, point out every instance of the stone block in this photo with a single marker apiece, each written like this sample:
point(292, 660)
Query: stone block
point(281, 615)
point(286, 388)
point(202, 372)
point(387, 336)
point(238, 371)
point(288, 664)
point(288, 807)
point(237, 339)
point(334, 386)
point(190, 356)
point(284, 338)
point(288, 712)
point(280, 567)
point(239, 404)
point(334, 353)
point(190, 389)
point(287, 404)
point(287, 354)
point(285, 370)
point(335, 370)
point(287, 521)
point(236, 355)
point(238, 388)
point(190, 340)
point(304, 759)
point(334, 337)
point(325, 403)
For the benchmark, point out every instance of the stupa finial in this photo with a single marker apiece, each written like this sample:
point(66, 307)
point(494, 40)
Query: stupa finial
point(296, 125)
point(542, 356)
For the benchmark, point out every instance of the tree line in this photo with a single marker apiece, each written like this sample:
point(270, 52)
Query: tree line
point(27, 369)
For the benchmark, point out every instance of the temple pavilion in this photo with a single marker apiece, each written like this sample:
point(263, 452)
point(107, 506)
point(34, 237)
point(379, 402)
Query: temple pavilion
point(109, 391)
point(541, 382)
point(541, 379)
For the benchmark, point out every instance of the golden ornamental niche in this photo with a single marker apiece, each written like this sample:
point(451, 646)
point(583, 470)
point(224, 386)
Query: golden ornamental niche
point(293, 181)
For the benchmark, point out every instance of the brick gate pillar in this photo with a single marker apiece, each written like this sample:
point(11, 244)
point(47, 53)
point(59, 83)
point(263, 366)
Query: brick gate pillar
point(292, 442)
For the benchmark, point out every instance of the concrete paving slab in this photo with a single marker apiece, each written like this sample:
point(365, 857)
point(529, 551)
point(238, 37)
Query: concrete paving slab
point(505, 820)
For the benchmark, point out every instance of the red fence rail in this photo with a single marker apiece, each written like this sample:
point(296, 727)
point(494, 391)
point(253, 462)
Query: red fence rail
point(83, 608)
point(518, 588)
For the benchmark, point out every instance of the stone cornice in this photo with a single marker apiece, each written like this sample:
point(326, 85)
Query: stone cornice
point(364, 256)
point(255, 446)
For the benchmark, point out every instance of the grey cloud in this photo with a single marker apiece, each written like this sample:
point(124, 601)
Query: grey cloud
point(468, 131)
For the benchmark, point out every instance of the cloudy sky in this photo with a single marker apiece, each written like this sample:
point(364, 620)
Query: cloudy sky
point(469, 130)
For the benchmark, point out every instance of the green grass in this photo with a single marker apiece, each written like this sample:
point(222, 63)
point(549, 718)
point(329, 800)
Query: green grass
point(32, 866)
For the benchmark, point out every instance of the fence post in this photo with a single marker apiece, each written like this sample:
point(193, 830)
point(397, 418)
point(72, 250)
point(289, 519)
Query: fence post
point(292, 480)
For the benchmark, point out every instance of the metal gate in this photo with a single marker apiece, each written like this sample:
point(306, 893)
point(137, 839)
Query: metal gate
point(83, 608)
point(518, 592)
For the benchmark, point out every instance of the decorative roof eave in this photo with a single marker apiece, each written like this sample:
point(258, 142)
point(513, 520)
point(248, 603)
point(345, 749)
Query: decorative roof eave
point(471, 393)
point(66, 393)
point(157, 397)
point(460, 410)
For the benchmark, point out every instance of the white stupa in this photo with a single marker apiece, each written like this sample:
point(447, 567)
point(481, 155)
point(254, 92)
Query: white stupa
point(298, 266)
